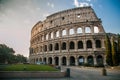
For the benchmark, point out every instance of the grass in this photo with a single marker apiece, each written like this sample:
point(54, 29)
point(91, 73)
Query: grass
point(26, 67)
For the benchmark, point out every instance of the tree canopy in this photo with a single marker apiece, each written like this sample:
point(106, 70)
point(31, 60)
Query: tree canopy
point(7, 55)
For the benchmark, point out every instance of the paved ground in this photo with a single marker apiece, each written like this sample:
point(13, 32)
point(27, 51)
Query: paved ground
point(82, 73)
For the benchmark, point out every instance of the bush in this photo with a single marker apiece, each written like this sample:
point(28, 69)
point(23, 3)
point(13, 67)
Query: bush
point(88, 65)
point(99, 65)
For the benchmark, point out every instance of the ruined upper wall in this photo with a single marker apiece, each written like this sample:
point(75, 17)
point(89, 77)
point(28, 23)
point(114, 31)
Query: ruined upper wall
point(70, 16)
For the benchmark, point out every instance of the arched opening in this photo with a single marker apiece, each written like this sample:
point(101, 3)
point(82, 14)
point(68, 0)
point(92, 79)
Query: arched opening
point(72, 61)
point(72, 45)
point(71, 31)
point(81, 60)
point(45, 48)
point(99, 60)
point(40, 59)
point(98, 43)
point(79, 30)
point(50, 60)
point(90, 60)
point(44, 60)
point(89, 44)
point(56, 46)
point(56, 60)
point(50, 47)
point(80, 45)
point(63, 32)
point(63, 46)
point(63, 60)
point(37, 60)
point(96, 30)
point(87, 30)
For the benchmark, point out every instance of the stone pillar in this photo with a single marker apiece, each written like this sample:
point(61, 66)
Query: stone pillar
point(53, 49)
point(68, 61)
point(75, 30)
point(95, 62)
point(53, 61)
point(76, 61)
point(93, 44)
point(104, 60)
point(46, 60)
point(59, 61)
point(92, 29)
point(67, 31)
point(76, 46)
point(83, 30)
point(102, 43)
point(84, 44)
point(60, 33)
point(67, 45)
point(85, 59)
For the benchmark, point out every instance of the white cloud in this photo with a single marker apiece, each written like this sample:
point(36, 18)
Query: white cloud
point(88, 0)
point(82, 4)
point(76, 3)
point(50, 5)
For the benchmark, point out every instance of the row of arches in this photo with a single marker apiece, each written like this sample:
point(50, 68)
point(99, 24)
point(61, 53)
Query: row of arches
point(66, 32)
point(65, 46)
point(72, 60)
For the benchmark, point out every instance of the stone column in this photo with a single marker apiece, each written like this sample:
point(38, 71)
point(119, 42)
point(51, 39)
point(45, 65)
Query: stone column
point(76, 45)
point(85, 59)
point(95, 62)
point(68, 61)
point(83, 30)
point(84, 44)
point(75, 30)
point(92, 29)
point(102, 43)
point(67, 45)
point(67, 31)
point(53, 49)
point(104, 60)
point(76, 61)
point(53, 60)
point(93, 44)
point(60, 33)
point(59, 61)
point(46, 60)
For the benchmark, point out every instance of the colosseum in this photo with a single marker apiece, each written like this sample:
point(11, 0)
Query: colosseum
point(69, 37)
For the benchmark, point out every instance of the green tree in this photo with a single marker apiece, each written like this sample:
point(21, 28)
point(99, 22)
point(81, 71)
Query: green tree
point(118, 49)
point(20, 58)
point(114, 50)
point(5, 53)
point(108, 51)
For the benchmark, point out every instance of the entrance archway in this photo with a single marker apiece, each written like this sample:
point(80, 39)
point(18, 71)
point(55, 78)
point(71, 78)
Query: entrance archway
point(99, 59)
point(63, 60)
point(90, 60)
point(72, 61)
point(81, 60)
point(50, 60)
point(44, 60)
point(56, 60)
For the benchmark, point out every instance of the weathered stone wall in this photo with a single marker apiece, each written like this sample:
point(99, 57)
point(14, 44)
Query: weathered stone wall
point(68, 36)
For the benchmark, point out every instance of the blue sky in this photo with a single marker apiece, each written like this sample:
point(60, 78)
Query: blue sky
point(17, 17)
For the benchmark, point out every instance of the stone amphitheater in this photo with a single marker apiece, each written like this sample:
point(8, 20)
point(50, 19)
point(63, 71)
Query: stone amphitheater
point(69, 37)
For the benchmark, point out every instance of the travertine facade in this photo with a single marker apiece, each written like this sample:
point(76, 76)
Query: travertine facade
point(70, 37)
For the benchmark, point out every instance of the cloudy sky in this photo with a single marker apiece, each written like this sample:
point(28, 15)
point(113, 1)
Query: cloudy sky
point(17, 17)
